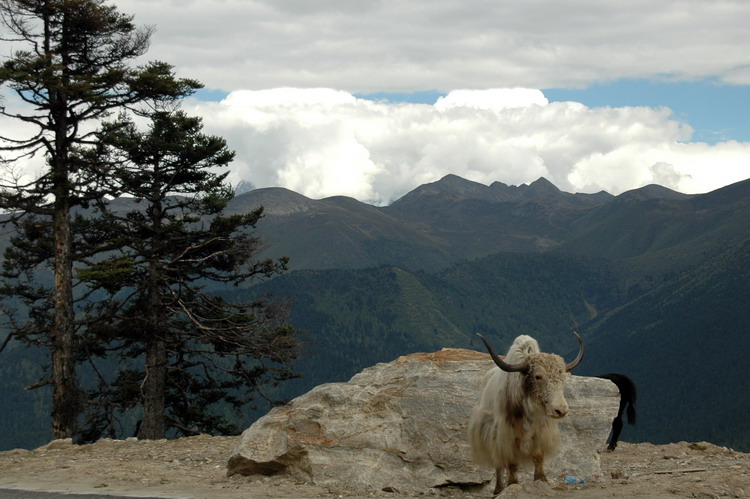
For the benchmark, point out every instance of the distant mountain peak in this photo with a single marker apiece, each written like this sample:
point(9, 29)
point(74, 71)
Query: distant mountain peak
point(543, 185)
point(275, 201)
point(450, 185)
point(653, 191)
point(459, 186)
point(452, 177)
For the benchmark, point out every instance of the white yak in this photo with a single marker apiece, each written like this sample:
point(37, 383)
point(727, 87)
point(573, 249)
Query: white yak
point(515, 422)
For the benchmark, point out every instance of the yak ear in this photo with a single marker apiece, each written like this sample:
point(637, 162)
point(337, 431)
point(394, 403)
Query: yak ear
point(581, 350)
point(523, 367)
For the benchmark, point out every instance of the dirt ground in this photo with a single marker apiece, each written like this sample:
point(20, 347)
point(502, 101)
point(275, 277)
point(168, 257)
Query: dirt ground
point(195, 467)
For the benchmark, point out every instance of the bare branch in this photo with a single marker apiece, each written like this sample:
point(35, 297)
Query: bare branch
point(41, 383)
point(6, 341)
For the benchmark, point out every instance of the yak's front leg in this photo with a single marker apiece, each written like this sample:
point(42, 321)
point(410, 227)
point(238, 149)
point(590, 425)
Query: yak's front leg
point(498, 481)
point(539, 467)
point(512, 473)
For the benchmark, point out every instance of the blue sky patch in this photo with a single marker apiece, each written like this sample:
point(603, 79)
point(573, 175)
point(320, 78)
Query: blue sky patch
point(420, 97)
point(717, 112)
point(210, 94)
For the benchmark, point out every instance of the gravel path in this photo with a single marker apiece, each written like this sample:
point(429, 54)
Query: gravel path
point(195, 467)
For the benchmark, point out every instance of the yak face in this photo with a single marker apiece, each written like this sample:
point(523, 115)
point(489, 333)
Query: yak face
point(535, 381)
point(544, 385)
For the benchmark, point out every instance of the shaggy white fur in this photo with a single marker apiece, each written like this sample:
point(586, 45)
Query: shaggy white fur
point(515, 422)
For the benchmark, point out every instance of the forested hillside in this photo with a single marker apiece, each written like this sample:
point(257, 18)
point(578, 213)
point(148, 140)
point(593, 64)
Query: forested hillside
point(354, 319)
point(685, 344)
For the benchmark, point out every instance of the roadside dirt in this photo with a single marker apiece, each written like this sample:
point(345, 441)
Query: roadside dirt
point(195, 467)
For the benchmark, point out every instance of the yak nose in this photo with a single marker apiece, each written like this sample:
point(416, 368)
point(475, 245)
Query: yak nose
point(559, 413)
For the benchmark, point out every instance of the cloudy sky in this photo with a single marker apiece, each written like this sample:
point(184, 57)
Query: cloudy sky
point(371, 98)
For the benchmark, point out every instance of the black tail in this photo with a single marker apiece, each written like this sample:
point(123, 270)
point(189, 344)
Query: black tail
point(631, 413)
point(627, 404)
point(628, 393)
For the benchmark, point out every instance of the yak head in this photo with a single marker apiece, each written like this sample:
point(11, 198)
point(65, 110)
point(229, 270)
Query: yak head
point(542, 377)
point(543, 383)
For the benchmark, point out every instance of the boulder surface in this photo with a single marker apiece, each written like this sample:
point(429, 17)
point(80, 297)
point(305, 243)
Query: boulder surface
point(401, 427)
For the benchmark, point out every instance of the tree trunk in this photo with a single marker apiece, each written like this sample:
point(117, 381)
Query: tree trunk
point(153, 388)
point(66, 398)
point(66, 401)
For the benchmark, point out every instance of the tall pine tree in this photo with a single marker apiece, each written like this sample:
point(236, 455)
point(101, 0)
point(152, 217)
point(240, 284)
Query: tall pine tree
point(70, 68)
point(173, 243)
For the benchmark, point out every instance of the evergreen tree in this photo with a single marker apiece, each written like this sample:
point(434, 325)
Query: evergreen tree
point(173, 243)
point(69, 69)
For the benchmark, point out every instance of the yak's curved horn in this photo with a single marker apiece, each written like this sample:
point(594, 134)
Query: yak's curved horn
point(511, 368)
point(581, 349)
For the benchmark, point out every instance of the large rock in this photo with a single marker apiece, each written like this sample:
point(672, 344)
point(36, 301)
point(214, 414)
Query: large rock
point(401, 427)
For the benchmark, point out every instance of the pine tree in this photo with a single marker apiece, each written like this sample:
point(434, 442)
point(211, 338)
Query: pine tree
point(70, 69)
point(173, 243)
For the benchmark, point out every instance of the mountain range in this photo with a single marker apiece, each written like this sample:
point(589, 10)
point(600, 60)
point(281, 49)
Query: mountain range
point(454, 219)
point(656, 281)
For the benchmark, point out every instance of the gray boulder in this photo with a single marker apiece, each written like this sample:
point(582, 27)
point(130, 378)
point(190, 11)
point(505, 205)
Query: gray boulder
point(401, 427)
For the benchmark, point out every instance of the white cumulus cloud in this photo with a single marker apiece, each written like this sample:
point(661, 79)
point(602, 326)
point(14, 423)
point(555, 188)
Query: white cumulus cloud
point(323, 142)
point(496, 98)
